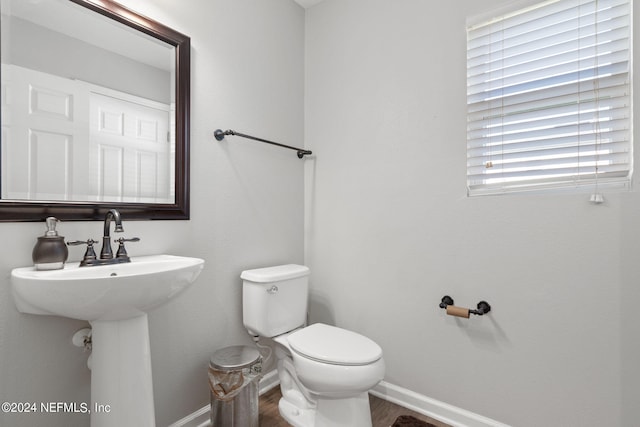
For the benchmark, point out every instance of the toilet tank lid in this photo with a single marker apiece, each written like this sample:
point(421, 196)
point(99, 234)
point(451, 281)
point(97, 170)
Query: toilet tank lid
point(275, 274)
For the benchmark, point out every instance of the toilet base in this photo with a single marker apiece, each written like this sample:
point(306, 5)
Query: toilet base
point(295, 416)
point(349, 412)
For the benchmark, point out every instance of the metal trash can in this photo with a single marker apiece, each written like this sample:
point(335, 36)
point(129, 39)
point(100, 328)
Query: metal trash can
point(234, 373)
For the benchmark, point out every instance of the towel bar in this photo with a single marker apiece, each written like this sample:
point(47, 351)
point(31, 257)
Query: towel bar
point(220, 134)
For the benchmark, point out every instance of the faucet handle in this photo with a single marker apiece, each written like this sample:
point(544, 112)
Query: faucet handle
point(90, 254)
point(88, 242)
point(122, 239)
point(122, 252)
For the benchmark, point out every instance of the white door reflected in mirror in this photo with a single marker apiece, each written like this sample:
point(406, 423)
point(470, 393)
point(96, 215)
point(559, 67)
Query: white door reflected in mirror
point(64, 69)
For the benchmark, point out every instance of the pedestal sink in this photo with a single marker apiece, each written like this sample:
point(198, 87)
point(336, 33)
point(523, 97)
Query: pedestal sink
point(115, 300)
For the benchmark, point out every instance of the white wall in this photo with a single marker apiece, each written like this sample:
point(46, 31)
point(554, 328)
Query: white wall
point(389, 231)
point(246, 212)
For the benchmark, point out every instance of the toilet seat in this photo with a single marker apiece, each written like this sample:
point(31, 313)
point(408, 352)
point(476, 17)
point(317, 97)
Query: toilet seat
point(332, 345)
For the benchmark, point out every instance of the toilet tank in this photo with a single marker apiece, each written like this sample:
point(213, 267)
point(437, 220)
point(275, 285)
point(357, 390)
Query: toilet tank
point(274, 299)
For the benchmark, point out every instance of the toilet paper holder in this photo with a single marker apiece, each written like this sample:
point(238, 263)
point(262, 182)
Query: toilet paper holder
point(482, 307)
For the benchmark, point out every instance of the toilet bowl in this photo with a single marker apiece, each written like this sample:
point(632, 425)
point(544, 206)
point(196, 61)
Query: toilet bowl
point(334, 362)
point(333, 369)
point(325, 372)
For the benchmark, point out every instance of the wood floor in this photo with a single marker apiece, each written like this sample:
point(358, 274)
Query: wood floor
point(383, 413)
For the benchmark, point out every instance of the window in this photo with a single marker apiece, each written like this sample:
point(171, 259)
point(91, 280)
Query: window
point(548, 98)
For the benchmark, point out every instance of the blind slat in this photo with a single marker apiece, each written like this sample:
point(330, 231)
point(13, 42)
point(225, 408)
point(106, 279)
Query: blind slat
point(540, 125)
point(546, 175)
point(569, 55)
point(559, 98)
point(497, 158)
point(618, 85)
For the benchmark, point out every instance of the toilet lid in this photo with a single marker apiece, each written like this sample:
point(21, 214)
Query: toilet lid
point(334, 345)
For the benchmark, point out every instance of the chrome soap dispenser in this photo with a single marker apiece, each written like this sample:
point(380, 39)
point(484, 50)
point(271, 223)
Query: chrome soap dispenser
point(50, 252)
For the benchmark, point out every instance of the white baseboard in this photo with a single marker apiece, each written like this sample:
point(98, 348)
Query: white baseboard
point(433, 408)
point(200, 418)
point(268, 381)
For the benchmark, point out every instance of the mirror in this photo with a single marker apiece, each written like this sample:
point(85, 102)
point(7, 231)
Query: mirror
point(95, 113)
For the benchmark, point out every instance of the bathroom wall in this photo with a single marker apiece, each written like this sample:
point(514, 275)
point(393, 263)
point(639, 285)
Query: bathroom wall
point(390, 230)
point(246, 211)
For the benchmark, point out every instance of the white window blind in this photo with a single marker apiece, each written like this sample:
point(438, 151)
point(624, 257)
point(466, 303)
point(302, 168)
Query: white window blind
point(548, 97)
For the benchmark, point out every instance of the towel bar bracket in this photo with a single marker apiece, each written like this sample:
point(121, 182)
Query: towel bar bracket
point(446, 300)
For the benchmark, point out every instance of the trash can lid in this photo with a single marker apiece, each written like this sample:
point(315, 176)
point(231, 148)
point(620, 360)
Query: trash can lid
point(234, 358)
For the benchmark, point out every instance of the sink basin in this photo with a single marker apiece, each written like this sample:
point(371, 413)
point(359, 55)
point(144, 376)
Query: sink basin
point(115, 300)
point(109, 292)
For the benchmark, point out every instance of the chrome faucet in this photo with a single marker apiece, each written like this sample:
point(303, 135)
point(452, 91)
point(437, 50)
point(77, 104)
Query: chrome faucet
point(106, 252)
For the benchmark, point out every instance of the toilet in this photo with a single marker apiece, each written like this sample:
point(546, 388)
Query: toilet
point(325, 372)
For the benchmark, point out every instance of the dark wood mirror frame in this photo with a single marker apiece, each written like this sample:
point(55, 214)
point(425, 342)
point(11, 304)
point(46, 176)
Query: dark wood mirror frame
point(14, 211)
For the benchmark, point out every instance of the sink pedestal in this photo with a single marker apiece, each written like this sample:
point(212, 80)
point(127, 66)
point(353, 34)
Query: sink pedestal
point(121, 381)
